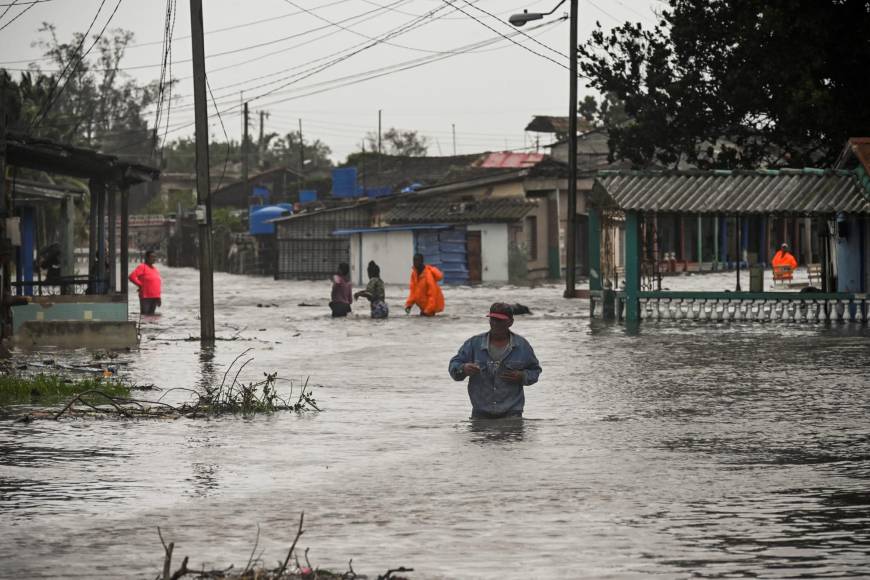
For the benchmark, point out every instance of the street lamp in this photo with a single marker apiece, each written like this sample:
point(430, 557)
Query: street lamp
point(571, 237)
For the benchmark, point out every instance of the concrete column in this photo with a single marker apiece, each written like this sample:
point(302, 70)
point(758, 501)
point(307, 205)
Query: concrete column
point(112, 194)
point(67, 237)
point(594, 249)
point(96, 192)
point(125, 238)
point(700, 241)
point(632, 266)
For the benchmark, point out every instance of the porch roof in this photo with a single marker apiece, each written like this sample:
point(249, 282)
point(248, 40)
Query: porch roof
point(783, 191)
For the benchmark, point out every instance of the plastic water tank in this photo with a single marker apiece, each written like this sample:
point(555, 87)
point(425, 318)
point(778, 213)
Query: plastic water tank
point(260, 216)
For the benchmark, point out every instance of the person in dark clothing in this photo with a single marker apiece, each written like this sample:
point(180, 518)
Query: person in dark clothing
point(375, 292)
point(342, 291)
point(49, 260)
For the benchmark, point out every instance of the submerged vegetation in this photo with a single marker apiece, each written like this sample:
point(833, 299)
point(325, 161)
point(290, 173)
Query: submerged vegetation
point(227, 398)
point(50, 389)
point(289, 567)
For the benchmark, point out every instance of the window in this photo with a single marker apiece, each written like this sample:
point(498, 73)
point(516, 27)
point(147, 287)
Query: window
point(532, 237)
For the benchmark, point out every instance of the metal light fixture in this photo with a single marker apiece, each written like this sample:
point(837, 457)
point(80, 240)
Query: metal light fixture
point(571, 234)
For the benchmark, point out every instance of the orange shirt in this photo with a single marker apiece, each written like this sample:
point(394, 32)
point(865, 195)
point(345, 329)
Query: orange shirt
point(425, 291)
point(784, 259)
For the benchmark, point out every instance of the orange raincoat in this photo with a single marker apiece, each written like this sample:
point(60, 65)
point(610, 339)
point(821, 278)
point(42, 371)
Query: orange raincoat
point(784, 259)
point(425, 291)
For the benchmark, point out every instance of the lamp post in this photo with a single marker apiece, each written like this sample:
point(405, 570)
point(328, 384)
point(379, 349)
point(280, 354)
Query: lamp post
point(571, 235)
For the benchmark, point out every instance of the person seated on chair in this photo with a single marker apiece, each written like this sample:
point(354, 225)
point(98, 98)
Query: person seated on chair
point(783, 258)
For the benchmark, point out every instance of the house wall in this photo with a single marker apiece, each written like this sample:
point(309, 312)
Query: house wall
point(306, 247)
point(392, 251)
point(494, 245)
point(849, 259)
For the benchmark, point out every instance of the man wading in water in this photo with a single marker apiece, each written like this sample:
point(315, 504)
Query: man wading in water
point(498, 364)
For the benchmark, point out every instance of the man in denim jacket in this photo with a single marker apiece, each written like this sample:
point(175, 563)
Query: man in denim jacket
point(498, 364)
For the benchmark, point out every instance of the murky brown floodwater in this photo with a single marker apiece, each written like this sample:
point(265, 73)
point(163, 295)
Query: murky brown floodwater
point(685, 450)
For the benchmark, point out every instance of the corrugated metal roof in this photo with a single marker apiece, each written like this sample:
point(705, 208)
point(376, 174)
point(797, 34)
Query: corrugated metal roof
point(508, 159)
point(805, 192)
point(408, 228)
point(503, 209)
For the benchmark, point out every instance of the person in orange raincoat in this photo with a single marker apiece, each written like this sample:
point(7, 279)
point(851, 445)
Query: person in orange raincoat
point(425, 291)
point(784, 258)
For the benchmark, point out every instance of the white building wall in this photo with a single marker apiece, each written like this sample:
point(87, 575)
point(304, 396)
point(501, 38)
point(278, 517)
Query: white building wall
point(494, 251)
point(392, 251)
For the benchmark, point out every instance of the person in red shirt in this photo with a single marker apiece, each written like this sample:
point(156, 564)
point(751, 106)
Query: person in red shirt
point(147, 279)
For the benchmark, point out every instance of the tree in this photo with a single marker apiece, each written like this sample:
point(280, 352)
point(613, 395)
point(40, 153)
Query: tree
point(609, 112)
point(284, 152)
point(91, 104)
point(395, 141)
point(728, 83)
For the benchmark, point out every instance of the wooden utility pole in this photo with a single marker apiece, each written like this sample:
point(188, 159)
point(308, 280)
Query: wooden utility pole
point(453, 127)
point(571, 234)
point(245, 156)
point(261, 144)
point(203, 193)
point(301, 159)
point(380, 151)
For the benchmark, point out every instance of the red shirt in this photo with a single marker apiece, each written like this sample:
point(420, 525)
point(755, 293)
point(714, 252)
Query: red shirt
point(147, 278)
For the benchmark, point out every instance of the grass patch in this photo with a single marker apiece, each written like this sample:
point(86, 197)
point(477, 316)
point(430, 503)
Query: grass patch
point(45, 389)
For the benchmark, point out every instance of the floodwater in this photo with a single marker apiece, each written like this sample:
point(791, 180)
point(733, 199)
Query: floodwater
point(679, 450)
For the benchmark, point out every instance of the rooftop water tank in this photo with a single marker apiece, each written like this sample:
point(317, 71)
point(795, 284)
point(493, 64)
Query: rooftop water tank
point(258, 222)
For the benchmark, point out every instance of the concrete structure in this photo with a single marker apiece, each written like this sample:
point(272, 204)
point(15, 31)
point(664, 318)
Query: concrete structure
point(835, 204)
point(102, 295)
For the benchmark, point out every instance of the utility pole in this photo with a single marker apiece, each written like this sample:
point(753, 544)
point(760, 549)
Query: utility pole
point(261, 144)
point(245, 155)
point(453, 126)
point(571, 237)
point(203, 194)
point(380, 151)
point(301, 159)
point(364, 165)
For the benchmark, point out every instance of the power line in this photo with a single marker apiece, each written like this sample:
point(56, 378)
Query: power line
point(17, 16)
point(523, 46)
point(535, 40)
point(367, 75)
point(226, 138)
point(49, 100)
point(8, 8)
point(244, 48)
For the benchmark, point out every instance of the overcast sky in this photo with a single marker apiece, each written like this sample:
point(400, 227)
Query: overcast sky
point(301, 52)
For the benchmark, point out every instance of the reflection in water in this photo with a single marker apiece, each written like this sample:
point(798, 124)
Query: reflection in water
point(207, 374)
point(504, 430)
point(685, 450)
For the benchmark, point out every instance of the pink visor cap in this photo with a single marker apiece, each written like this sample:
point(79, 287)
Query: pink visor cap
point(501, 311)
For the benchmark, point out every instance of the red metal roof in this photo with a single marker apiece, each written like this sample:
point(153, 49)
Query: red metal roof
point(510, 160)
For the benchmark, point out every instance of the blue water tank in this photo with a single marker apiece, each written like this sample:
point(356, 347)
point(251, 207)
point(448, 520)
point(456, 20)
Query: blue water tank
point(259, 217)
point(261, 192)
point(307, 196)
point(344, 182)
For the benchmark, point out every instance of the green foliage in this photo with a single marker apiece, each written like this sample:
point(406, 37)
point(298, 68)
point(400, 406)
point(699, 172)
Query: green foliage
point(395, 141)
point(169, 203)
point(736, 84)
point(94, 105)
point(253, 398)
point(49, 389)
point(225, 217)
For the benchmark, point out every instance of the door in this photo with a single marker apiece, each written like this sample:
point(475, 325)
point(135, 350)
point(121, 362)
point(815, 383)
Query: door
point(475, 270)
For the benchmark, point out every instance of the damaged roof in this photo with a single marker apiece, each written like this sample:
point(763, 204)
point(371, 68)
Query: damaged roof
point(788, 191)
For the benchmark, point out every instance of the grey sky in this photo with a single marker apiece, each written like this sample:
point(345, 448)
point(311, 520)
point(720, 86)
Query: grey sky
point(489, 94)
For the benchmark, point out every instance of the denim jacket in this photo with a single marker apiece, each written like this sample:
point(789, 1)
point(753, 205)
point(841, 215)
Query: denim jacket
point(489, 393)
